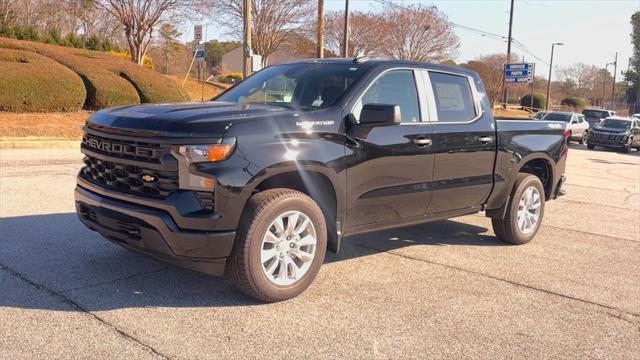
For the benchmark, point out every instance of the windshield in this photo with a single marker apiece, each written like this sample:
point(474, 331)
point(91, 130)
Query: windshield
point(558, 117)
point(616, 124)
point(297, 86)
point(539, 115)
point(595, 113)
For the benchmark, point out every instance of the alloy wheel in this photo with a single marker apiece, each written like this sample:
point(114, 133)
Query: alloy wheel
point(288, 248)
point(528, 213)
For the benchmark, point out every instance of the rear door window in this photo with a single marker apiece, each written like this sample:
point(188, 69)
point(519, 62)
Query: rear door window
point(453, 96)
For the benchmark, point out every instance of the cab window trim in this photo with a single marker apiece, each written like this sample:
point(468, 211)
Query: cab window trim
point(421, 90)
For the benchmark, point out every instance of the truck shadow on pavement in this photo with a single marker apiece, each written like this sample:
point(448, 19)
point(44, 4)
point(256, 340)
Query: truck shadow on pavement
point(53, 262)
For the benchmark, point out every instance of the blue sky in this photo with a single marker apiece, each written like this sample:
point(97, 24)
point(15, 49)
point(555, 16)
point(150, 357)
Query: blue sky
point(593, 30)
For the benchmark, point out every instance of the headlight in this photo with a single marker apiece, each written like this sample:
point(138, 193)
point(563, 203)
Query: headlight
point(191, 154)
point(207, 152)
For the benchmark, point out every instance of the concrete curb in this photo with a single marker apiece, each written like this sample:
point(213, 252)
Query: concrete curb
point(39, 144)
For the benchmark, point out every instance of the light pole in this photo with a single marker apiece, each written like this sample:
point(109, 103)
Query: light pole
point(604, 82)
point(345, 34)
point(546, 107)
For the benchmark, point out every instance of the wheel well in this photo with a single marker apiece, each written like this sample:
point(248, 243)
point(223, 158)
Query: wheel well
point(318, 187)
point(542, 169)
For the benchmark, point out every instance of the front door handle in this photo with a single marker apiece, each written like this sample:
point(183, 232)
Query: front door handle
point(485, 139)
point(422, 141)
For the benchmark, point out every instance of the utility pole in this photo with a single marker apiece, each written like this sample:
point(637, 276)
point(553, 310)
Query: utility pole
point(504, 84)
point(246, 58)
point(345, 40)
point(613, 90)
point(320, 30)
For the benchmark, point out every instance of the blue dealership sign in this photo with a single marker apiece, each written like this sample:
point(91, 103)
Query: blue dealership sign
point(518, 73)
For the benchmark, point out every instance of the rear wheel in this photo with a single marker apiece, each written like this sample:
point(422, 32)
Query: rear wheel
point(280, 245)
point(525, 211)
point(583, 139)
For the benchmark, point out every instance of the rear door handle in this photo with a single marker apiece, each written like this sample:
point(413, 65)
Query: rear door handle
point(485, 139)
point(422, 141)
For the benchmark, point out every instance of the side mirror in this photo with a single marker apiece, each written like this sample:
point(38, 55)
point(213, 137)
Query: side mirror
point(380, 115)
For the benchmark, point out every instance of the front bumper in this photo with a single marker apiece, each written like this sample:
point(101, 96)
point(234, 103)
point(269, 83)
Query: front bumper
point(153, 231)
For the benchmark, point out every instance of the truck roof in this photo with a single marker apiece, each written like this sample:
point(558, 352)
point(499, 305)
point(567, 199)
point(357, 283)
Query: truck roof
point(371, 62)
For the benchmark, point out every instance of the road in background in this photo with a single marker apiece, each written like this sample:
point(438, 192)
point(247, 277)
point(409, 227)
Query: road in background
point(445, 289)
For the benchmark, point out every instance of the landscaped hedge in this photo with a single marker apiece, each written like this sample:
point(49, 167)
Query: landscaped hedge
point(152, 86)
point(104, 88)
point(109, 81)
point(574, 101)
point(35, 83)
point(539, 101)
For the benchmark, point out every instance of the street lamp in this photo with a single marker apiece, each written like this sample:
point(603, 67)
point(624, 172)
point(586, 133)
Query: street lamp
point(604, 82)
point(546, 107)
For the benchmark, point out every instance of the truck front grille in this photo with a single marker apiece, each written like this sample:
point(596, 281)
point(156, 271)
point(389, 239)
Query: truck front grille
point(128, 178)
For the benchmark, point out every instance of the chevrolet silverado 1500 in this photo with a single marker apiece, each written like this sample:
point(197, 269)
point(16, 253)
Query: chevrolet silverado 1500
point(259, 182)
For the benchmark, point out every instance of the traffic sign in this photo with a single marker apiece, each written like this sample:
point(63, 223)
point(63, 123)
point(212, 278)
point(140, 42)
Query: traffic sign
point(518, 73)
point(518, 80)
point(197, 33)
point(198, 53)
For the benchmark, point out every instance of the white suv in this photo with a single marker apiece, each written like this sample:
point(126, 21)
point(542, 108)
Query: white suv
point(576, 123)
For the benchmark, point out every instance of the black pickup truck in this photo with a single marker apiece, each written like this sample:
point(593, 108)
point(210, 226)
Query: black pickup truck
point(259, 182)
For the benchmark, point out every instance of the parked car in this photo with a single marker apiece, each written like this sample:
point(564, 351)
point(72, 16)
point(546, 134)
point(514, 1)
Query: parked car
point(258, 187)
point(637, 116)
point(576, 124)
point(539, 115)
point(594, 116)
point(616, 132)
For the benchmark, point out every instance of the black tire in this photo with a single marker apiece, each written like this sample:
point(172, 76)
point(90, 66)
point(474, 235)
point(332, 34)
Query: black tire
point(627, 148)
point(583, 139)
point(244, 267)
point(591, 146)
point(506, 229)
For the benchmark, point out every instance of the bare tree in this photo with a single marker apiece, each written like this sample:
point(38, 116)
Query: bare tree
point(141, 17)
point(273, 21)
point(418, 32)
point(7, 11)
point(580, 79)
point(366, 31)
point(490, 68)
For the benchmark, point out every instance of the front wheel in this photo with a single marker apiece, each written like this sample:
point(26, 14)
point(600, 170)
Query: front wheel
point(525, 211)
point(279, 247)
point(591, 146)
point(628, 146)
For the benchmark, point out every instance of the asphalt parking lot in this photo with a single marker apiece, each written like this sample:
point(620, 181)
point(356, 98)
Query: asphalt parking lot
point(445, 289)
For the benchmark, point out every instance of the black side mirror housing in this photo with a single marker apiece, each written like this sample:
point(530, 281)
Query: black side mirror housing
point(380, 115)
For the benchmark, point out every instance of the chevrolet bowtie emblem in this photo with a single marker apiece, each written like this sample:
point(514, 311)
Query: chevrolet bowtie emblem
point(148, 178)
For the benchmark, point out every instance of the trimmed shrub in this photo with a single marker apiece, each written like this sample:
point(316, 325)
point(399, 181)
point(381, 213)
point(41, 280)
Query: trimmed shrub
point(147, 62)
point(539, 101)
point(232, 76)
point(151, 86)
point(104, 88)
point(574, 101)
point(109, 81)
point(34, 83)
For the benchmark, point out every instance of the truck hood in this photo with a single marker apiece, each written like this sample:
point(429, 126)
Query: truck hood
point(180, 119)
